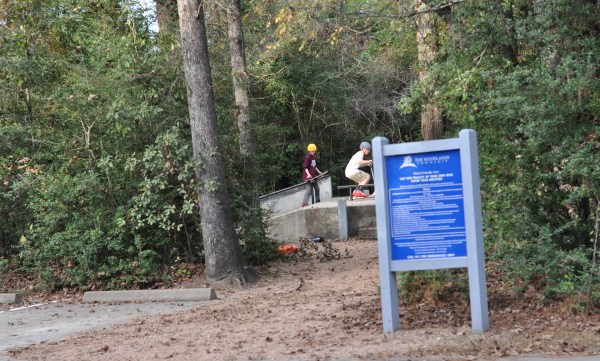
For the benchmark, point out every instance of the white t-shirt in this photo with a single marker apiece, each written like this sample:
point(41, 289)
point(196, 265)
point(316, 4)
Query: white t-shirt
point(353, 165)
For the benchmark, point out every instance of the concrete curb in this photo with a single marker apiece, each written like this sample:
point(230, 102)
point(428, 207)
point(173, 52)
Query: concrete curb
point(10, 298)
point(180, 294)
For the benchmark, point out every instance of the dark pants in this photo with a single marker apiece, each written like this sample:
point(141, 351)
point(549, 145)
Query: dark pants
point(310, 185)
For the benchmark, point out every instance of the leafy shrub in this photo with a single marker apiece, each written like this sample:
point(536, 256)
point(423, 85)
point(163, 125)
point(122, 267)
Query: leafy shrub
point(117, 225)
point(162, 212)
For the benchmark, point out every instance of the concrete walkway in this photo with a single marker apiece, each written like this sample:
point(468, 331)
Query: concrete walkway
point(43, 322)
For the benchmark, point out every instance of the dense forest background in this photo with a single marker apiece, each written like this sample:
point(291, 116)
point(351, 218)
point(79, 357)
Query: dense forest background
point(96, 165)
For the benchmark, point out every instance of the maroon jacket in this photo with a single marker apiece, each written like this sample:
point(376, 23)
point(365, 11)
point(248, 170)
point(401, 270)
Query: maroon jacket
point(310, 163)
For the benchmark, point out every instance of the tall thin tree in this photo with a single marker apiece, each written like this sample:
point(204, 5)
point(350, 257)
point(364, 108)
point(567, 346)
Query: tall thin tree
point(432, 126)
point(239, 74)
point(240, 80)
point(223, 255)
point(166, 15)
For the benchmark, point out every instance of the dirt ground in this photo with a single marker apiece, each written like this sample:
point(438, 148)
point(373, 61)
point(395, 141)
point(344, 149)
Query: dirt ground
point(325, 306)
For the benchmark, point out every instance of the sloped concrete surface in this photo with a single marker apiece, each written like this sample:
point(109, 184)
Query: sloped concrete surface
point(321, 220)
point(288, 199)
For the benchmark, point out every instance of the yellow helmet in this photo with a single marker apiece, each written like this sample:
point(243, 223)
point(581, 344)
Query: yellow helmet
point(311, 148)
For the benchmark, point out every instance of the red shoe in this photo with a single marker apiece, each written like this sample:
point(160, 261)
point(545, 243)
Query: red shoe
point(359, 194)
point(303, 205)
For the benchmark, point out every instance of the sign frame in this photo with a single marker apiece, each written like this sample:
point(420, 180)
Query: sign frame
point(474, 260)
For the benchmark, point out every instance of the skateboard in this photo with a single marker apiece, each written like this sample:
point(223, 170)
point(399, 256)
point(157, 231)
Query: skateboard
point(317, 177)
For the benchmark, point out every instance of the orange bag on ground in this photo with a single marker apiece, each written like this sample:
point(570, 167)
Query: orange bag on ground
point(287, 249)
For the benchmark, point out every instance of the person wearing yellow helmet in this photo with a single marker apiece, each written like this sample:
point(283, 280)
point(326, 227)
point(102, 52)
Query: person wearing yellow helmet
point(309, 172)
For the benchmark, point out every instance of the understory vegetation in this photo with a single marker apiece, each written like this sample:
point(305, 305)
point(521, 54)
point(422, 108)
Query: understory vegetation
point(97, 174)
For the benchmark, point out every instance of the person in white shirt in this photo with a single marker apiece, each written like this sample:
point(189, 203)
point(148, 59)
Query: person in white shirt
point(353, 171)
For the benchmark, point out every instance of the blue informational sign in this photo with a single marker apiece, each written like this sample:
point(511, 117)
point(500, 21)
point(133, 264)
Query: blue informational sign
point(427, 218)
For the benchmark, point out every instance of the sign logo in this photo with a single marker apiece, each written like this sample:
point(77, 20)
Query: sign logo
point(407, 162)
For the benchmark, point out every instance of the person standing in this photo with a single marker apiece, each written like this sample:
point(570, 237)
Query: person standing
point(354, 173)
point(310, 171)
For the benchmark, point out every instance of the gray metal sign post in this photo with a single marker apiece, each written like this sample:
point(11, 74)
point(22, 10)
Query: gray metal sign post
point(428, 208)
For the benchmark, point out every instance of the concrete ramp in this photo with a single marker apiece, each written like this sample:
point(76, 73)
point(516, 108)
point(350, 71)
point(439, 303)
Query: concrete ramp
point(290, 198)
point(326, 219)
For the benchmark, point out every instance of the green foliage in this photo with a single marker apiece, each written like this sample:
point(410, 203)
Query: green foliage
point(525, 78)
point(77, 114)
point(97, 182)
point(257, 246)
point(68, 234)
point(328, 79)
point(77, 235)
point(163, 209)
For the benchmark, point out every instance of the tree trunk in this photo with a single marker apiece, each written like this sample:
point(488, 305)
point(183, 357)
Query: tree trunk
point(166, 15)
point(432, 126)
point(223, 254)
point(4, 12)
point(340, 7)
point(240, 79)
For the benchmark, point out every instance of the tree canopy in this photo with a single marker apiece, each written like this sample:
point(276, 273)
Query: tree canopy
point(96, 168)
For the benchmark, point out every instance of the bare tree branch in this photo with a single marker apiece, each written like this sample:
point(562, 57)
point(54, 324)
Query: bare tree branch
point(406, 15)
